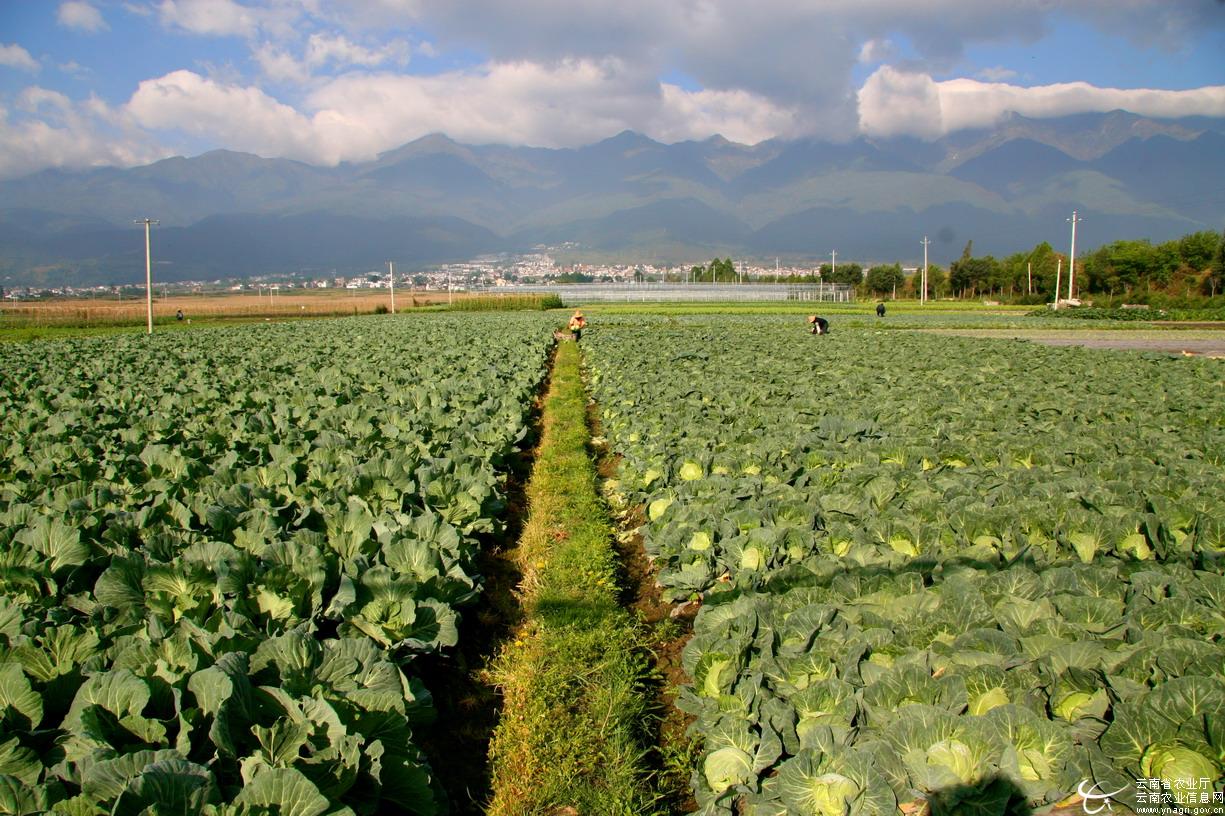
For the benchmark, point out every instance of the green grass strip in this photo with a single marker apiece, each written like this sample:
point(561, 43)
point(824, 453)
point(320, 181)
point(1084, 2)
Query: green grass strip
point(574, 719)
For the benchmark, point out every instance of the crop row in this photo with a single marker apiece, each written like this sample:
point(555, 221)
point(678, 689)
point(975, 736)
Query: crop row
point(222, 550)
point(967, 572)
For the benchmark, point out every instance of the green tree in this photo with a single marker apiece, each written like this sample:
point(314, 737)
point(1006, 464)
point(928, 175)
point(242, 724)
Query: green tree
point(1198, 249)
point(884, 279)
point(720, 270)
point(1123, 267)
point(971, 276)
point(1043, 263)
point(936, 279)
point(959, 273)
point(848, 273)
point(1215, 281)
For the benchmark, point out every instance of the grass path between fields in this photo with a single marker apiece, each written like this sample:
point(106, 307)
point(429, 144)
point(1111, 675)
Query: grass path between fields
point(575, 719)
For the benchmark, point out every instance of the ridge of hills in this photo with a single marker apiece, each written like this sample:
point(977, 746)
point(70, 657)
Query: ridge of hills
point(229, 214)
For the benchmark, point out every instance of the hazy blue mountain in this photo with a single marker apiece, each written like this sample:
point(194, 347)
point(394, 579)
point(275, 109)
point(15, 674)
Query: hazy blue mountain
point(1015, 165)
point(1008, 187)
point(1187, 177)
point(649, 228)
point(241, 246)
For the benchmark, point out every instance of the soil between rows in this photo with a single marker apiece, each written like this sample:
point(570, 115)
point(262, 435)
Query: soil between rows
point(665, 631)
point(467, 703)
point(469, 707)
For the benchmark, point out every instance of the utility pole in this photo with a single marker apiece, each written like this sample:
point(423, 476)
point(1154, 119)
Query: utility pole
point(1029, 277)
point(391, 271)
point(1058, 273)
point(450, 300)
point(925, 242)
point(148, 222)
point(1071, 256)
point(833, 263)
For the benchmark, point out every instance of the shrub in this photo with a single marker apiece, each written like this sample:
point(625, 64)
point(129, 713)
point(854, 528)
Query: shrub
point(507, 303)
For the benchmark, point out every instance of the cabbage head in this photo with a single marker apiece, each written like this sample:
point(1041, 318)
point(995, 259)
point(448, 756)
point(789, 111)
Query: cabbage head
point(726, 768)
point(658, 507)
point(828, 795)
point(691, 471)
point(700, 541)
point(1171, 762)
point(842, 783)
point(956, 756)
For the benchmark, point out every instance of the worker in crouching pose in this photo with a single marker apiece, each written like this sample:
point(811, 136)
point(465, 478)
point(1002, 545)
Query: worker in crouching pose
point(577, 324)
point(818, 325)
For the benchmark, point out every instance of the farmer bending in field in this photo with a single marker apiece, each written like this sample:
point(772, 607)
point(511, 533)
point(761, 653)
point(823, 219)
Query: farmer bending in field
point(577, 323)
point(880, 310)
point(818, 325)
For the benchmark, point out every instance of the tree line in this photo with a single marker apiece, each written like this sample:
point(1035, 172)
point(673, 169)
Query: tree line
point(1189, 267)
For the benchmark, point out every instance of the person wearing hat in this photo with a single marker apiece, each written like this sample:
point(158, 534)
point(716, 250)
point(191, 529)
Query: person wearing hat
point(818, 325)
point(577, 323)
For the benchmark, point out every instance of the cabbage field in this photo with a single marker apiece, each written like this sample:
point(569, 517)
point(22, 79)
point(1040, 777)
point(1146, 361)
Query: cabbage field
point(221, 551)
point(978, 574)
point(982, 574)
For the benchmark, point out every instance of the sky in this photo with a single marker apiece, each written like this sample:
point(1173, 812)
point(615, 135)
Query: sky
point(88, 83)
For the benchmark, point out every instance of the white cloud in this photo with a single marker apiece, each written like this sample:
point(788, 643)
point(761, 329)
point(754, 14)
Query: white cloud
point(876, 50)
point(210, 17)
point(35, 98)
point(322, 49)
point(568, 103)
point(75, 69)
point(355, 117)
point(281, 66)
point(50, 130)
point(14, 56)
point(738, 115)
point(243, 118)
point(80, 15)
point(563, 73)
point(893, 102)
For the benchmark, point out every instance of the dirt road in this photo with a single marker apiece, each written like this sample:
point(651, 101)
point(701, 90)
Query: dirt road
point(1189, 342)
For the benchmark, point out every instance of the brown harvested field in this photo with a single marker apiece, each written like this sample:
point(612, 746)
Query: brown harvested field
point(238, 305)
point(1209, 342)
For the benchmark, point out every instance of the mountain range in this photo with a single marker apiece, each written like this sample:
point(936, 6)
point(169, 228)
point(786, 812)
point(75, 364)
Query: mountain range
point(227, 214)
